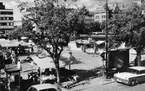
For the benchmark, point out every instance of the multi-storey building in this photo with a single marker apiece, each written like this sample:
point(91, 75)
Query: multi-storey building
point(100, 14)
point(6, 20)
point(88, 19)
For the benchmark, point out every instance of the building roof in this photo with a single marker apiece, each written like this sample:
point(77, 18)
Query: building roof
point(44, 86)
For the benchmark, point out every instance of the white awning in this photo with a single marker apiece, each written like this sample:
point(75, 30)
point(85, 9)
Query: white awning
point(24, 38)
point(46, 62)
point(99, 42)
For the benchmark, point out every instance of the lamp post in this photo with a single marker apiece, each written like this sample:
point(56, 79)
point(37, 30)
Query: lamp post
point(106, 6)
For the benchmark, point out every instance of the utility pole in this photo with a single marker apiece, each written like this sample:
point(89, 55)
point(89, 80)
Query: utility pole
point(106, 38)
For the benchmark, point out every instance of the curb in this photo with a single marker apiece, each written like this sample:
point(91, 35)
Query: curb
point(108, 82)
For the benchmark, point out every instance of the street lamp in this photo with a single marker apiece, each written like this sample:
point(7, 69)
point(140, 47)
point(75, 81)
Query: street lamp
point(106, 8)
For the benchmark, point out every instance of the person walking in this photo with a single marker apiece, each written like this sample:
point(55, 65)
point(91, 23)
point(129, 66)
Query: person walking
point(95, 48)
point(71, 60)
point(7, 82)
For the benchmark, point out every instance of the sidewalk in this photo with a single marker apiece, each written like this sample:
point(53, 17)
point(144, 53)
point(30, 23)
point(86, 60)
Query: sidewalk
point(100, 81)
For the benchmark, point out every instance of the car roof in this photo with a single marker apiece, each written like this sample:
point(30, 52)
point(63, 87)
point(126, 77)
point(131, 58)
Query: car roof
point(44, 86)
point(139, 68)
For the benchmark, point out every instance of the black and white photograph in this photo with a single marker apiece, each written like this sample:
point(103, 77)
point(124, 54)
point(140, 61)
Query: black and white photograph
point(72, 45)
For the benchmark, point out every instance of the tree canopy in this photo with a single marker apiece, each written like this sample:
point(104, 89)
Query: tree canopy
point(55, 24)
point(24, 30)
point(128, 27)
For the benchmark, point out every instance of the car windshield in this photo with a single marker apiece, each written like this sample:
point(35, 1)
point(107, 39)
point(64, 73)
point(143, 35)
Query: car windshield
point(32, 89)
point(50, 89)
point(133, 71)
point(136, 71)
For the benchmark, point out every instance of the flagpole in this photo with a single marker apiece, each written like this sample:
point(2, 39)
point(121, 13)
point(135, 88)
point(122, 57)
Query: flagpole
point(106, 39)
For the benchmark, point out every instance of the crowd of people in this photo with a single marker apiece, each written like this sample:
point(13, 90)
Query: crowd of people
point(8, 56)
point(90, 43)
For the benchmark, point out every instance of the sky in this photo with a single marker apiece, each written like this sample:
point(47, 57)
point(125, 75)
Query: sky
point(90, 4)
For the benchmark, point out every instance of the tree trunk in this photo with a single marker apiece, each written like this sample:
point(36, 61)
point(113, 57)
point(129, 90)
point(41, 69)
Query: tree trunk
point(58, 75)
point(138, 59)
point(57, 71)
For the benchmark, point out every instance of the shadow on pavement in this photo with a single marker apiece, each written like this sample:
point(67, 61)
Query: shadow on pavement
point(88, 74)
point(85, 76)
point(67, 62)
point(24, 85)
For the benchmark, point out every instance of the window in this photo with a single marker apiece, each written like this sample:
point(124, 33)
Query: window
point(7, 24)
point(3, 24)
point(32, 89)
point(6, 13)
point(11, 24)
point(142, 72)
point(97, 16)
point(50, 89)
point(133, 71)
point(103, 16)
point(10, 18)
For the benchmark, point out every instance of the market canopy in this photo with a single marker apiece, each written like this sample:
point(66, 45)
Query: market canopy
point(100, 42)
point(12, 43)
point(12, 69)
point(45, 62)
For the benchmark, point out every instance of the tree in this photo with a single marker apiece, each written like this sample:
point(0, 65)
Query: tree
point(92, 27)
point(55, 26)
point(77, 23)
point(128, 27)
point(23, 31)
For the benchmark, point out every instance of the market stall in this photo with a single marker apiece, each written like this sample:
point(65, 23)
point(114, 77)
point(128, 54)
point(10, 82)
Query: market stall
point(45, 62)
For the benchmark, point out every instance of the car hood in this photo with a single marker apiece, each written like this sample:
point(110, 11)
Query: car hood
point(124, 75)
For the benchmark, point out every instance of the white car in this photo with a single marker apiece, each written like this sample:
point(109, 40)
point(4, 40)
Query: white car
point(134, 75)
point(45, 87)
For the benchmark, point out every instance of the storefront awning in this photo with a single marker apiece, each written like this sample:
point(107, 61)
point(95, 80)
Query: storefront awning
point(100, 42)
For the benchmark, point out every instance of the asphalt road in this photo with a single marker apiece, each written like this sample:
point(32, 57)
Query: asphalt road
point(114, 87)
point(88, 62)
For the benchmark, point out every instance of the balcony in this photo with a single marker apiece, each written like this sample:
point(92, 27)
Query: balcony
point(6, 15)
point(7, 10)
point(5, 21)
point(6, 27)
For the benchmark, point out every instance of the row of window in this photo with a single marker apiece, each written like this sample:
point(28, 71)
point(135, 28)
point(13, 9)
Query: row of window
point(6, 13)
point(7, 24)
point(6, 18)
point(103, 16)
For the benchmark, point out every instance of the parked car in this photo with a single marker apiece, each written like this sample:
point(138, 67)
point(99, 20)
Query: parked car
point(45, 87)
point(133, 76)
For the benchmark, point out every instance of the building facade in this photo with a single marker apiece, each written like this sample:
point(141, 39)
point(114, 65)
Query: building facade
point(100, 16)
point(88, 19)
point(6, 20)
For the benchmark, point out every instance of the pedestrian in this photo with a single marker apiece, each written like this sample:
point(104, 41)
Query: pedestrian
point(71, 60)
point(7, 82)
point(95, 48)
point(13, 57)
